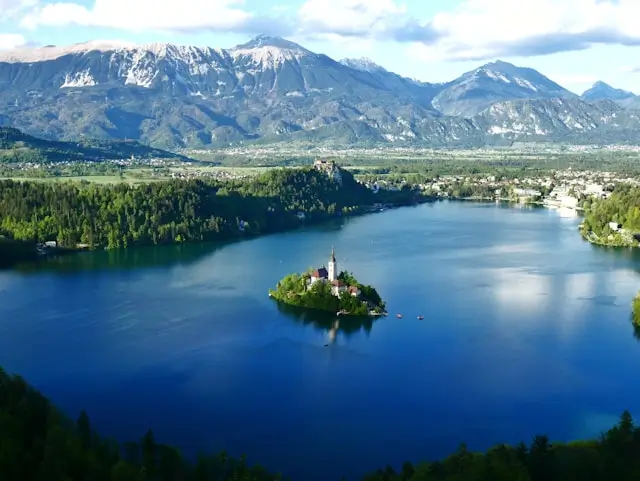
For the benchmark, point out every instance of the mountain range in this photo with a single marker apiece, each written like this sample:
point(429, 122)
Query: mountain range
point(272, 90)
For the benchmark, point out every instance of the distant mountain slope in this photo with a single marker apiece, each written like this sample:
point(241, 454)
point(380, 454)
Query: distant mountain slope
point(175, 96)
point(423, 92)
point(568, 119)
point(604, 91)
point(474, 91)
point(272, 90)
point(17, 146)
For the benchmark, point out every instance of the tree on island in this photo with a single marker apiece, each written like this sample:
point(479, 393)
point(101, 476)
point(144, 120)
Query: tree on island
point(636, 310)
point(367, 292)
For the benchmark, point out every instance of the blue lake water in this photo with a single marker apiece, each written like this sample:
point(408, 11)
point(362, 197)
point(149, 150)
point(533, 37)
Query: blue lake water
point(527, 330)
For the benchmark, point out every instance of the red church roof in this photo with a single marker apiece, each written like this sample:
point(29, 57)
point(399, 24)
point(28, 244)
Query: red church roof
point(320, 273)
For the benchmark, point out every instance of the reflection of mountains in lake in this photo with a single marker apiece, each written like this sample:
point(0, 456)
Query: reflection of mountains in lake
point(327, 321)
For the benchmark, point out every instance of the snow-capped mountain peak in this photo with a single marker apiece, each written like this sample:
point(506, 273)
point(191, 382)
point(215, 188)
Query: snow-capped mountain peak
point(476, 90)
point(269, 52)
point(272, 88)
point(492, 74)
point(504, 73)
point(267, 56)
point(364, 64)
point(52, 52)
point(269, 41)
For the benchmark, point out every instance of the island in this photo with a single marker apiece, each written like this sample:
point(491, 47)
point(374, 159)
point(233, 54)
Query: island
point(324, 289)
point(635, 309)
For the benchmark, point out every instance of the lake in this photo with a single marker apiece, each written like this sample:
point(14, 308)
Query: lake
point(526, 331)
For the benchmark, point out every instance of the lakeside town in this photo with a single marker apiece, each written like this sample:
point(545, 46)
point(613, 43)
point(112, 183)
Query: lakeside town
point(563, 188)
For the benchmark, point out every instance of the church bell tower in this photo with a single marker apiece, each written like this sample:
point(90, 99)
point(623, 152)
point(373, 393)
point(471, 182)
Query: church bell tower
point(333, 266)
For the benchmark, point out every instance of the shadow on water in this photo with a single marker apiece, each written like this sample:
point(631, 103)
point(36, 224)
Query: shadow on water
point(327, 322)
point(121, 259)
point(629, 257)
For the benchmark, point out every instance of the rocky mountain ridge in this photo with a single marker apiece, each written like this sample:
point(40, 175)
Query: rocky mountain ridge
point(270, 89)
point(603, 91)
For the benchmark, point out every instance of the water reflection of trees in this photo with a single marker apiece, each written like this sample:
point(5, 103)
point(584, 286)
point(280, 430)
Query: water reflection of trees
point(636, 331)
point(328, 322)
point(121, 259)
point(635, 327)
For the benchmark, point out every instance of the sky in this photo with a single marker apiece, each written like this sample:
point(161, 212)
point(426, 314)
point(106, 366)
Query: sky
point(573, 42)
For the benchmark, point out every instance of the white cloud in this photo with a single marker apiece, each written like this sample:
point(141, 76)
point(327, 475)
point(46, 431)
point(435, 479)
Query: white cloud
point(483, 29)
point(141, 15)
point(474, 30)
point(360, 18)
point(344, 45)
point(10, 8)
point(9, 5)
point(348, 17)
point(281, 8)
point(11, 40)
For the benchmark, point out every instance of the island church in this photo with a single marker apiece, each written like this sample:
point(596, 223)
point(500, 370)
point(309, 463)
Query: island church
point(330, 274)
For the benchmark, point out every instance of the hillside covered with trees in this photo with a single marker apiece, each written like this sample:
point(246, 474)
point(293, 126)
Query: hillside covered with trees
point(622, 208)
point(18, 147)
point(121, 215)
point(38, 443)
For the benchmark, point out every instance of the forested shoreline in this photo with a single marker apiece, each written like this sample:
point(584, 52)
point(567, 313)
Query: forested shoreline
point(614, 221)
point(38, 443)
point(175, 211)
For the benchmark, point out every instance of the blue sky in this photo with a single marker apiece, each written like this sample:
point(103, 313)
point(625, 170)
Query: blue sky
point(574, 42)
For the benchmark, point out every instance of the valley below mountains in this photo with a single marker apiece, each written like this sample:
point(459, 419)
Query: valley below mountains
point(273, 90)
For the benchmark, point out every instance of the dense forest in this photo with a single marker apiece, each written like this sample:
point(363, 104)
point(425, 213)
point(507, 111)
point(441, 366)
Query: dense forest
point(615, 455)
point(623, 208)
point(120, 215)
point(38, 443)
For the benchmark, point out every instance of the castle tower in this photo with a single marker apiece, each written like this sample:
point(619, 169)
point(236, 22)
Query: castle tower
point(333, 266)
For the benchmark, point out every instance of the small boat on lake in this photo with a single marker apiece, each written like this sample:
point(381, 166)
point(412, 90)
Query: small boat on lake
point(399, 316)
point(420, 318)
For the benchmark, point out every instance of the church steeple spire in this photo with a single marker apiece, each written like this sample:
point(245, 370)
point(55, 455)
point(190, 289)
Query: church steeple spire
point(333, 266)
